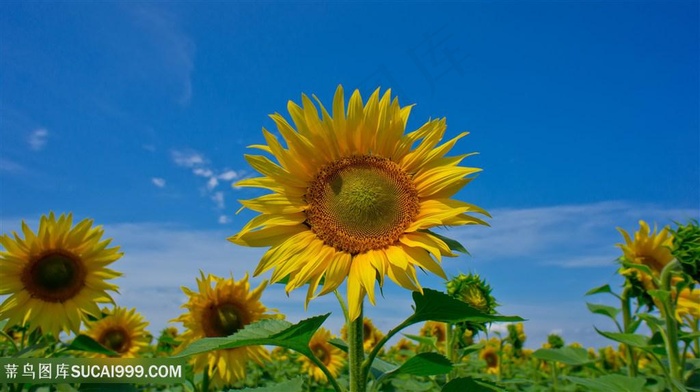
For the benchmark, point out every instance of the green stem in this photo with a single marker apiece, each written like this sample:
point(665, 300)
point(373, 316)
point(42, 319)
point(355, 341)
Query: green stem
point(9, 339)
point(555, 382)
point(375, 351)
point(324, 369)
point(696, 340)
point(627, 322)
point(449, 348)
point(205, 379)
point(671, 325)
point(356, 353)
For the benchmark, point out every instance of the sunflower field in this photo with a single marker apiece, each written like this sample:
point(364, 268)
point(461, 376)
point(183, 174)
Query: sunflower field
point(352, 199)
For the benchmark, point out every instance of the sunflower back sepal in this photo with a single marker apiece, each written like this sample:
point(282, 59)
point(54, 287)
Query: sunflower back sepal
point(437, 306)
point(267, 332)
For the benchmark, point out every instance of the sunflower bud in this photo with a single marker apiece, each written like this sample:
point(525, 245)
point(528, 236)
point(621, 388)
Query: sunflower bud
point(475, 292)
point(686, 248)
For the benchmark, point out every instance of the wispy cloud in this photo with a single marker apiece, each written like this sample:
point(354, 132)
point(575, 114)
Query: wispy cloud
point(200, 166)
point(38, 138)
point(159, 182)
point(572, 236)
point(11, 167)
point(175, 48)
point(548, 241)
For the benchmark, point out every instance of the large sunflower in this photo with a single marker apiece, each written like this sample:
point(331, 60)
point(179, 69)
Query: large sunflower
point(120, 330)
point(57, 276)
point(353, 196)
point(328, 354)
point(648, 248)
point(220, 308)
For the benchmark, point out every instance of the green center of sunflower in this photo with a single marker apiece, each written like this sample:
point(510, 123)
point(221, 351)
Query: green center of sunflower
point(116, 339)
point(360, 203)
point(475, 297)
point(222, 320)
point(55, 276)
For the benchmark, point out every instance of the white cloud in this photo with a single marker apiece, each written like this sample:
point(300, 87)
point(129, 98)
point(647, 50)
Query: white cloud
point(568, 236)
point(203, 172)
point(161, 258)
point(218, 198)
point(228, 175)
point(38, 138)
point(188, 158)
point(223, 219)
point(159, 182)
point(12, 167)
point(212, 183)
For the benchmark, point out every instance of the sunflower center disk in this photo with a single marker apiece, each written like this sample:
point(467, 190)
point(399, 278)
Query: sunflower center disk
point(322, 354)
point(361, 203)
point(54, 277)
point(222, 320)
point(116, 340)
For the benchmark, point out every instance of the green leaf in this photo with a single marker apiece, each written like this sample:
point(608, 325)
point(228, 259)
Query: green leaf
point(438, 306)
point(629, 339)
point(601, 289)
point(425, 364)
point(266, 332)
point(471, 384)
point(661, 295)
point(430, 341)
point(87, 344)
point(453, 244)
point(610, 383)
point(605, 310)
point(294, 385)
point(568, 355)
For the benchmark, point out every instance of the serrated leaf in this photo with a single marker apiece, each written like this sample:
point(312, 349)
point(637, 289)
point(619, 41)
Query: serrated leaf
point(599, 290)
point(266, 332)
point(605, 310)
point(568, 355)
point(629, 339)
point(425, 364)
point(610, 383)
point(471, 384)
point(438, 306)
point(452, 244)
point(294, 385)
point(87, 344)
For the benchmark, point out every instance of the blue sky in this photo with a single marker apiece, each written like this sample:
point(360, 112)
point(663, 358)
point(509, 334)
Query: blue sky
point(584, 114)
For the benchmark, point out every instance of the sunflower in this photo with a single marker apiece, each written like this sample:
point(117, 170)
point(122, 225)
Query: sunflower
point(120, 330)
point(371, 335)
point(489, 354)
point(688, 305)
point(351, 197)
point(328, 354)
point(651, 249)
point(436, 330)
point(57, 276)
point(218, 311)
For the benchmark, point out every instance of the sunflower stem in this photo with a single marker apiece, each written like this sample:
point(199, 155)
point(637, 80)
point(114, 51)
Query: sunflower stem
point(671, 325)
point(626, 325)
point(205, 380)
point(449, 349)
point(358, 380)
point(324, 369)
